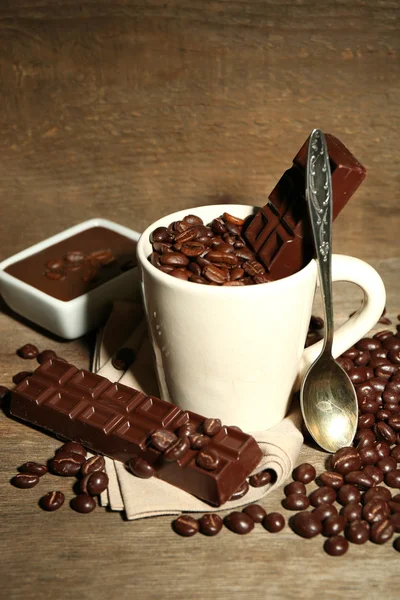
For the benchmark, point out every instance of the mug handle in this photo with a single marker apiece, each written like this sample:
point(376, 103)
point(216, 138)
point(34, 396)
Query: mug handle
point(353, 270)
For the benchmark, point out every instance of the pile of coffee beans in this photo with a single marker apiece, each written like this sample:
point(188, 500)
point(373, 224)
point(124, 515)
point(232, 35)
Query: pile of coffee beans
point(240, 522)
point(69, 460)
point(214, 254)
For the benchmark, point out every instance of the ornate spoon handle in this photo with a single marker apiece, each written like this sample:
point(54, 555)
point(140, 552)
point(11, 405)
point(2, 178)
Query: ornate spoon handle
point(319, 200)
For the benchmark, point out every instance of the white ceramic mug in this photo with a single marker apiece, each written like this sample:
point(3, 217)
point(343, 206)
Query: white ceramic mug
point(237, 353)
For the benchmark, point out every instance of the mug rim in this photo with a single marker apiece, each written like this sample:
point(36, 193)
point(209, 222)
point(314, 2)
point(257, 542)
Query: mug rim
point(166, 279)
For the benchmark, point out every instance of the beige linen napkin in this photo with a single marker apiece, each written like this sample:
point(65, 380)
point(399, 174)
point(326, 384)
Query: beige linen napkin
point(152, 497)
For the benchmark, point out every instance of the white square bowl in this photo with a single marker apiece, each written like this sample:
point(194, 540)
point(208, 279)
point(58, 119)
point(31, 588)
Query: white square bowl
point(76, 317)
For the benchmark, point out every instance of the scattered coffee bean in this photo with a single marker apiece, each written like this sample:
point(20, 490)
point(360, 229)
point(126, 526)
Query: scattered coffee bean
point(331, 479)
point(369, 456)
point(345, 460)
point(28, 351)
point(66, 463)
point(348, 493)
point(395, 521)
point(19, 377)
point(239, 522)
point(73, 447)
point(381, 532)
point(376, 492)
point(392, 479)
point(33, 468)
point(396, 544)
point(212, 426)
point(241, 491)
point(304, 473)
point(94, 483)
point(323, 511)
point(336, 545)
point(186, 526)
point(92, 464)
point(351, 511)
point(374, 472)
point(25, 480)
point(296, 502)
point(322, 495)
point(210, 524)
point(123, 358)
point(360, 479)
point(45, 356)
point(358, 531)
point(255, 512)
point(274, 522)
point(295, 487)
point(375, 511)
point(52, 501)
point(306, 524)
point(207, 459)
point(141, 468)
point(262, 478)
point(83, 503)
point(387, 464)
point(333, 525)
point(177, 449)
point(162, 439)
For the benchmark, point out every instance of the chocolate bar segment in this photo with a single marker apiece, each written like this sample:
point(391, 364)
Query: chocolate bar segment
point(118, 421)
point(280, 233)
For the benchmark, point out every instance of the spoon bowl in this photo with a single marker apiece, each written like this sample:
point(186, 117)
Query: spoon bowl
point(328, 399)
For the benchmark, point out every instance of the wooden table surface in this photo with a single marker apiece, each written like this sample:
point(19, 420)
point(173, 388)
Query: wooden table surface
point(130, 110)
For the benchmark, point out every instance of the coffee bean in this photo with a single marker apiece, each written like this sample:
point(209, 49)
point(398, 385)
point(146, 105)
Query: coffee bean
point(198, 441)
point(345, 363)
point(323, 511)
point(348, 493)
point(123, 358)
point(306, 524)
point(316, 323)
point(33, 468)
point(93, 464)
point(336, 545)
point(360, 374)
point(384, 432)
point(359, 479)
point(375, 511)
point(19, 377)
point(368, 455)
point(381, 532)
point(28, 351)
point(357, 532)
point(296, 502)
point(322, 495)
point(210, 524)
point(366, 421)
point(58, 275)
point(368, 344)
point(362, 359)
point(392, 343)
point(394, 507)
point(94, 483)
point(239, 522)
point(387, 464)
point(383, 449)
point(351, 511)
point(52, 501)
point(45, 355)
point(364, 439)
point(304, 473)
point(186, 430)
point(214, 274)
point(378, 492)
point(256, 512)
point(331, 479)
point(161, 439)
point(73, 447)
point(207, 459)
point(66, 463)
point(392, 479)
point(333, 525)
point(395, 452)
point(274, 522)
point(295, 487)
point(25, 480)
point(83, 503)
point(263, 478)
point(394, 422)
point(141, 468)
point(351, 353)
point(177, 449)
point(212, 426)
point(378, 384)
point(345, 460)
point(241, 491)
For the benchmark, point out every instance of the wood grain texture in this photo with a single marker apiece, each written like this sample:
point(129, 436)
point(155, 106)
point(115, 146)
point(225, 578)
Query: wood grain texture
point(129, 110)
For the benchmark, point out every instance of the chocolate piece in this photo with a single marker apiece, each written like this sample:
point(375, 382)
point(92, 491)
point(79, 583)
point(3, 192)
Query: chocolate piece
point(280, 232)
point(77, 264)
point(118, 421)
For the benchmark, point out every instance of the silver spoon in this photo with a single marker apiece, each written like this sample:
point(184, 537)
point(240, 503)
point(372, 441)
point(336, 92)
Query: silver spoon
point(327, 397)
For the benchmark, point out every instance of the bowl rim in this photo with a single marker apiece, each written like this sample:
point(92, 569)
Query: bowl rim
point(6, 279)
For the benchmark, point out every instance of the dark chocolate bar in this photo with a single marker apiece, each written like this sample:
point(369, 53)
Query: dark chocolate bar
point(280, 232)
point(118, 421)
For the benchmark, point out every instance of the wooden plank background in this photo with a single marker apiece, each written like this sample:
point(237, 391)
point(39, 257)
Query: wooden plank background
point(131, 109)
